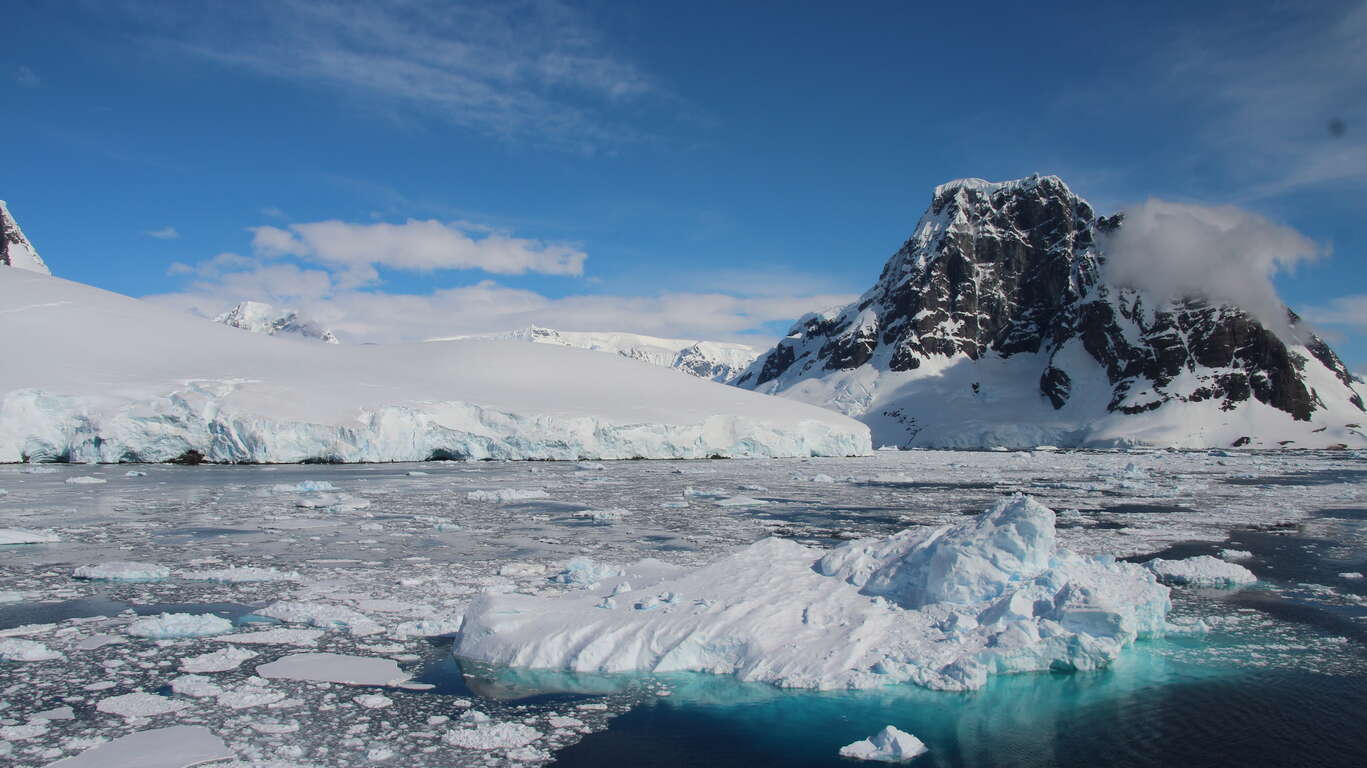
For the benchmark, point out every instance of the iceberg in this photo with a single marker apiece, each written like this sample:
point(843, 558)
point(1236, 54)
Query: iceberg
point(939, 607)
point(889, 745)
point(9, 536)
point(205, 392)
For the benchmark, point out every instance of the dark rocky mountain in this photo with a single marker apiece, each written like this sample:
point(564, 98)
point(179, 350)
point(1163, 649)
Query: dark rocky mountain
point(996, 324)
point(15, 249)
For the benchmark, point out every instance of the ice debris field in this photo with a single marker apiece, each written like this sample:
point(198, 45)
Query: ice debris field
point(501, 613)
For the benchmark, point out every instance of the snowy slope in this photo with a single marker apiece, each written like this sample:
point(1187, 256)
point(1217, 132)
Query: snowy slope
point(994, 325)
point(15, 249)
point(258, 317)
point(94, 376)
point(715, 360)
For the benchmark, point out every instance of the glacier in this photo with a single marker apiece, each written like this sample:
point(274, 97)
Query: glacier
point(93, 376)
point(942, 607)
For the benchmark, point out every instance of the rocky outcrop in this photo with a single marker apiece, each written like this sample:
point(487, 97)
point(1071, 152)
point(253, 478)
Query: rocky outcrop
point(1016, 271)
point(15, 249)
point(259, 317)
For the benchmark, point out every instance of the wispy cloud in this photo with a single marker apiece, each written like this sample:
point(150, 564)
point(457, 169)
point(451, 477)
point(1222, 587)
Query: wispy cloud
point(534, 68)
point(1283, 86)
point(1346, 311)
point(27, 78)
point(165, 233)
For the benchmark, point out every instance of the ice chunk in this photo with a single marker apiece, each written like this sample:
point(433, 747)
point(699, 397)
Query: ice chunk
point(374, 701)
point(296, 637)
point(889, 745)
point(18, 649)
point(20, 536)
point(179, 746)
point(1201, 571)
point(585, 572)
point(486, 736)
point(173, 625)
point(304, 486)
point(323, 615)
point(139, 704)
point(85, 480)
point(506, 495)
point(1012, 541)
point(602, 515)
point(335, 668)
point(123, 571)
point(216, 661)
point(1350, 575)
point(1235, 554)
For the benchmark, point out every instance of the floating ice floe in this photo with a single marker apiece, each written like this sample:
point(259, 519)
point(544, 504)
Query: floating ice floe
point(505, 495)
point(139, 704)
point(304, 486)
point(18, 649)
point(950, 606)
point(323, 615)
point(1235, 554)
point(1350, 575)
point(85, 480)
point(335, 668)
point(889, 745)
point(602, 515)
point(1201, 571)
point(223, 660)
point(241, 575)
point(175, 625)
point(123, 571)
point(179, 746)
point(10, 536)
point(296, 637)
point(486, 736)
point(740, 501)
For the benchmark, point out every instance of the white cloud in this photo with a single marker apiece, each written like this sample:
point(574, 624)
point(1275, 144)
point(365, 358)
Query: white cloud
point(165, 233)
point(1224, 253)
point(421, 246)
point(27, 78)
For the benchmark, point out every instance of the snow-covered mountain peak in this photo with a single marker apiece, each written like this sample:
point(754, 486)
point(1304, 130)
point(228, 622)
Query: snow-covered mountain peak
point(259, 317)
point(15, 249)
point(995, 323)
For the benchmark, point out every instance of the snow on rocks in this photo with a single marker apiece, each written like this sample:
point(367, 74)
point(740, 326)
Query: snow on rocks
point(952, 605)
point(175, 625)
point(335, 668)
point(123, 571)
point(1201, 571)
point(139, 704)
point(323, 615)
point(179, 746)
point(889, 745)
point(506, 495)
point(18, 649)
point(223, 660)
point(10, 536)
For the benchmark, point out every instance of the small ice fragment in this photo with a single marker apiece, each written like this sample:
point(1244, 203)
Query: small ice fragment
point(296, 637)
point(889, 745)
point(1350, 575)
point(221, 660)
point(374, 701)
point(602, 515)
point(174, 625)
point(740, 501)
point(486, 736)
point(242, 575)
point(1230, 555)
point(123, 571)
point(505, 495)
point(135, 473)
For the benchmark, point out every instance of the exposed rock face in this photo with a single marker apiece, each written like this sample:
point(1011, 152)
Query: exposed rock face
point(1015, 271)
point(259, 317)
point(15, 249)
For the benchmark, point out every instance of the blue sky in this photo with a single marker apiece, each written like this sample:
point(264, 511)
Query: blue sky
point(702, 169)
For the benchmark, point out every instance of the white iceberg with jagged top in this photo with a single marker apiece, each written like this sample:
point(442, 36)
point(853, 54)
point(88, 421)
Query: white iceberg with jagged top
point(940, 607)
